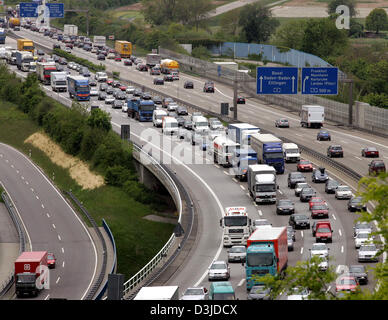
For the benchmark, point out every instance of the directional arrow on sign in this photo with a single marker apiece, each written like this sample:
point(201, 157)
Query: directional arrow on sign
point(304, 82)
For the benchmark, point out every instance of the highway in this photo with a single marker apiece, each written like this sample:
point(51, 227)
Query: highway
point(213, 189)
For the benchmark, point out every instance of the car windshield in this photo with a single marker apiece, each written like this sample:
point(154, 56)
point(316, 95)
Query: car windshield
point(274, 155)
point(368, 248)
point(261, 223)
point(371, 149)
point(296, 175)
point(193, 292)
point(363, 226)
point(261, 259)
point(348, 281)
point(356, 200)
point(319, 207)
point(300, 217)
point(26, 278)
point(237, 249)
point(292, 150)
point(265, 187)
point(379, 164)
point(218, 266)
point(235, 221)
point(301, 185)
point(363, 235)
point(356, 269)
point(50, 256)
point(224, 296)
point(323, 230)
point(323, 132)
point(304, 162)
point(338, 148)
point(307, 191)
point(319, 247)
point(343, 188)
point(333, 183)
point(285, 203)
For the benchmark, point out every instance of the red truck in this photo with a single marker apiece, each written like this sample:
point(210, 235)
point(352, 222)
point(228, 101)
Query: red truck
point(322, 231)
point(43, 71)
point(27, 272)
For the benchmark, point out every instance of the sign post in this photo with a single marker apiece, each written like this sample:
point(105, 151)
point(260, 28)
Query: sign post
point(277, 80)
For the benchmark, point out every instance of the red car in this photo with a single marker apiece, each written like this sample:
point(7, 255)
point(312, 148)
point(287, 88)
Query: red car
point(322, 231)
point(369, 152)
point(304, 165)
point(51, 260)
point(109, 82)
point(316, 200)
point(117, 58)
point(319, 210)
point(346, 283)
point(240, 100)
point(123, 88)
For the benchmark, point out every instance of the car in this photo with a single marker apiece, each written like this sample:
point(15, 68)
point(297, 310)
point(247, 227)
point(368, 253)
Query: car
point(282, 123)
point(188, 84)
point(56, 46)
point(100, 56)
point(124, 108)
point(172, 114)
point(123, 88)
point(103, 86)
point(319, 211)
point(138, 61)
point(40, 52)
point(102, 95)
point(93, 92)
point(137, 93)
point(369, 152)
point(111, 55)
point(323, 265)
point(290, 242)
point(323, 134)
point(172, 106)
point(356, 204)
point(259, 292)
point(117, 104)
point(299, 186)
point(359, 272)
point(146, 96)
point(294, 178)
point(331, 185)
point(346, 283)
point(215, 124)
point(240, 100)
point(51, 260)
point(322, 231)
point(166, 102)
point(168, 77)
point(362, 227)
point(368, 252)
point(261, 223)
point(208, 86)
point(343, 192)
point(320, 249)
point(175, 75)
point(92, 83)
point(319, 175)
point(158, 81)
point(117, 58)
point(110, 100)
point(182, 111)
point(142, 67)
point(306, 194)
point(94, 50)
point(376, 166)
point(109, 90)
point(291, 231)
point(335, 151)
point(285, 206)
point(299, 221)
point(298, 294)
point(130, 89)
point(85, 72)
point(188, 124)
point(195, 293)
point(120, 95)
point(62, 61)
point(304, 165)
point(219, 270)
point(116, 84)
point(59, 67)
point(316, 200)
point(155, 71)
point(127, 62)
point(67, 49)
point(237, 253)
point(157, 100)
point(362, 238)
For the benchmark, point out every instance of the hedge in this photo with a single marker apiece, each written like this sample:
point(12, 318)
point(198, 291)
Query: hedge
point(91, 66)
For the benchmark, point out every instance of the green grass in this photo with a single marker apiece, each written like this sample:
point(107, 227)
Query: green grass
point(128, 14)
point(135, 237)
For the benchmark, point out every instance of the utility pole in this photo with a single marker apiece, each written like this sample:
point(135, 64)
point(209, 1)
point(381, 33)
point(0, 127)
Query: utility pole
point(235, 85)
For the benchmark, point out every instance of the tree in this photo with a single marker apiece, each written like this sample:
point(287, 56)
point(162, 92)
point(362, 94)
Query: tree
point(99, 119)
point(200, 52)
point(158, 12)
point(333, 4)
point(377, 20)
point(193, 11)
point(257, 23)
point(290, 34)
point(356, 29)
point(229, 22)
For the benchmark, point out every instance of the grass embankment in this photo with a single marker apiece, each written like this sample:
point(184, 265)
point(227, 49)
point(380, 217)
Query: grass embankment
point(137, 239)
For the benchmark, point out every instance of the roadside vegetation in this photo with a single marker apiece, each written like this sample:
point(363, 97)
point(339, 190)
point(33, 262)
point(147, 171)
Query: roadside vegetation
point(70, 57)
point(122, 201)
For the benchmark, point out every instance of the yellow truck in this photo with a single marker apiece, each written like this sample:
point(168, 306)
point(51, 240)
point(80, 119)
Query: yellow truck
point(168, 66)
point(123, 48)
point(26, 45)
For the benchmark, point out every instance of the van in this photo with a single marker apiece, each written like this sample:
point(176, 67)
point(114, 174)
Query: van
point(169, 125)
point(291, 152)
point(222, 290)
point(157, 117)
point(200, 124)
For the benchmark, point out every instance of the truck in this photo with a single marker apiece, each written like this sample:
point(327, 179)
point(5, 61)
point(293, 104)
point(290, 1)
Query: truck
point(241, 132)
point(99, 41)
point(10, 56)
point(223, 150)
point(262, 183)
point(32, 68)
point(78, 88)
point(291, 152)
point(23, 60)
point(25, 45)
point(152, 59)
point(312, 116)
point(43, 71)
point(237, 226)
point(59, 81)
point(269, 150)
point(123, 48)
point(241, 159)
point(14, 22)
point(141, 110)
point(70, 30)
point(158, 293)
point(30, 266)
point(267, 253)
point(2, 35)
point(167, 66)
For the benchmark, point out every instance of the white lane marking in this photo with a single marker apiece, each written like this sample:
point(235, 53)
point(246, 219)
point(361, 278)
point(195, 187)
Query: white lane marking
point(46, 297)
point(27, 183)
point(54, 226)
point(22, 177)
point(280, 191)
point(59, 238)
point(12, 166)
point(297, 134)
point(6, 160)
point(48, 216)
point(385, 157)
point(226, 172)
point(63, 264)
point(58, 280)
point(235, 180)
point(301, 250)
point(301, 233)
point(63, 250)
point(37, 198)
point(328, 289)
point(242, 187)
point(260, 212)
point(42, 206)
point(358, 158)
point(32, 189)
point(334, 217)
point(217, 166)
point(248, 194)
point(241, 282)
point(340, 233)
point(342, 249)
point(17, 171)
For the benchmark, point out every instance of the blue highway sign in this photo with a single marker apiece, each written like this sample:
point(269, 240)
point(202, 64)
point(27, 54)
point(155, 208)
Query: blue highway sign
point(319, 81)
point(28, 10)
point(56, 10)
point(277, 80)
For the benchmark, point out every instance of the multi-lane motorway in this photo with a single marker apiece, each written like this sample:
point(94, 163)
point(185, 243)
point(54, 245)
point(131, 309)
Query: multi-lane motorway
point(212, 187)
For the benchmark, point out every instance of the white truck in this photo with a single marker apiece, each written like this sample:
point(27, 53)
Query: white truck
point(70, 30)
point(241, 132)
point(222, 148)
point(291, 152)
point(312, 116)
point(200, 124)
point(169, 125)
point(59, 81)
point(23, 60)
point(99, 41)
point(152, 59)
point(101, 76)
point(157, 117)
point(262, 183)
point(158, 293)
point(237, 226)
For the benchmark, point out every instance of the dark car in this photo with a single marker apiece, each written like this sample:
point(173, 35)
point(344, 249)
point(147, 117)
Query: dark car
point(117, 104)
point(157, 100)
point(240, 100)
point(369, 152)
point(158, 81)
point(355, 204)
point(120, 95)
point(146, 96)
point(359, 272)
point(282, 123)
point(103, 86)
point(155, 71)
point(116, 84)
point(168, 77)
point(294, 178)
point(181, 121)
point(92, 83)
point(331, 185)
point(323, 135)
point(285, 206)
point(172, 114)
point(102, 95)
point(259, 292)
point(166, 101)
point(56, 46)
point(335, 151)
point(100, 56)
point(306, 194)
point(299, 221)
point(319, 210)
point(142, 67)
point(127, 62)
point(182, 111)
point(109, 90)
point(208, 87)
point(319, 175)
point(376, 166)
point(137, 93)
point(304, 165)
point(188, 85)
point(188, 125)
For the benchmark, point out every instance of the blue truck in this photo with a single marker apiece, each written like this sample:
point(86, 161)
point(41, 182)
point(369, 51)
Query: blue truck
point(141, 110)
point(241, 159)
point(269, 150)
point(78, 88)
point(2, 35)
point(241, 132)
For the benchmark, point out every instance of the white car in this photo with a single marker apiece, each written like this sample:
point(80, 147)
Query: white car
point(343, 192)
point(93, 92)
point(110, 55)
point(67, 49)
point(130, 89)
point(261, 223)
point(219, 270)
point(324, 264)
point(195, 293)
point(172, 106)
point(110, 99)
point(362, 227)
point(320, 249)
point(215, 125)
point(367, 252)
point(298, 294)
point(124, 108)
point(362, 238)
point(237, 253)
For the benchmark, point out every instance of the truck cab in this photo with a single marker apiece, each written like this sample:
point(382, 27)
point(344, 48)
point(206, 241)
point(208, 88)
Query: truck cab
point(200, 124)
point(237, 226)
point(223, 150)
point(157, 117)
point(241, 159)
point(262, 183)
point(169, 125)
point(291, 152)
point(221, 291)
